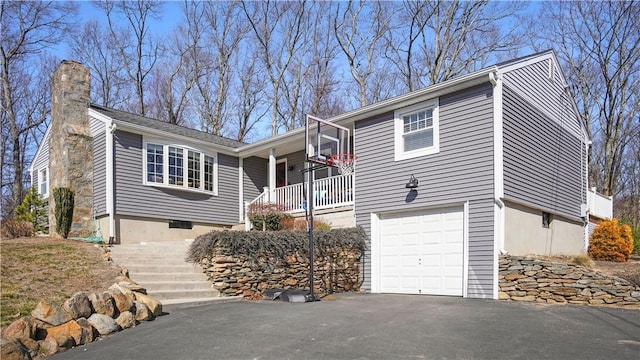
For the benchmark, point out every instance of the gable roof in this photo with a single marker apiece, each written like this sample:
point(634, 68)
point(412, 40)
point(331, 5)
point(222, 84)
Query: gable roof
point(146, 122)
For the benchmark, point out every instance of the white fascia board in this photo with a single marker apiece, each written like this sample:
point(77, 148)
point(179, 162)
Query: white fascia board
point(519, 64)
point(430, 92)
point(33, 160)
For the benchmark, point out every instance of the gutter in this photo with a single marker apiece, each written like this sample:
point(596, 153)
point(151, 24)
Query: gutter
point(111, 203)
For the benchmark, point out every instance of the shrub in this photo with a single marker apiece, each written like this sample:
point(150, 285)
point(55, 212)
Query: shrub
point(266, 217)
point(14, 228)
point(64, 198)
point(290, 223)
point(635, 232)
point(33, 210)
point(583, 260)
point(611, 242)
point(277, 244)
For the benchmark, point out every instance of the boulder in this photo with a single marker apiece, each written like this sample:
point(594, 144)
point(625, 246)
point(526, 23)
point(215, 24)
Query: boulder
point(102, 303)
point(126, 319)
point(80, 334)
point(23, 328)
point(78, 306)
point(47, 347)
point(143, 313)
point(64, 341)
point(117, 288)
point(104, 324)
point(12, 349)
point(88, 332)
point(123, 302)
point(130, 285)
point(152, 303)
point(32, 345)
point(50, 313)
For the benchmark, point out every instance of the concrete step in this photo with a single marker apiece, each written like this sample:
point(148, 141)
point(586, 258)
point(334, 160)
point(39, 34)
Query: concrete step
point(161, 269)
point(183, 294)
point(155, 286)
point(150, 277)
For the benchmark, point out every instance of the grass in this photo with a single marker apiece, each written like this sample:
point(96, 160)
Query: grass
point(35, 269)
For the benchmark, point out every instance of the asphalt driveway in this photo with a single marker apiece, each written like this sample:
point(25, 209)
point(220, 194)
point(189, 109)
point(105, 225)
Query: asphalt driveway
point(360, 326)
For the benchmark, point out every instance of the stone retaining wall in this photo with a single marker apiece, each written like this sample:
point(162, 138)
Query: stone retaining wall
point(525, 278)
point(238, 275)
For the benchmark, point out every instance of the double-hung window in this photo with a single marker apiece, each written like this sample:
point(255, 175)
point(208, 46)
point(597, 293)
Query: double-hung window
point(180, 167)
point(416, 131)
point(43, 183)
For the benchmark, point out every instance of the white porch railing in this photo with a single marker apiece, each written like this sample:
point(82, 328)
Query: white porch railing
point(328, 193)
point(599, 205)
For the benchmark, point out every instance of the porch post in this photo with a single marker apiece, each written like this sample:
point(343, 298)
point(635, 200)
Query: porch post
point(272, 173)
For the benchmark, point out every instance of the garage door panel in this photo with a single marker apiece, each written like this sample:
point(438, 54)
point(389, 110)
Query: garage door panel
point(422, 252)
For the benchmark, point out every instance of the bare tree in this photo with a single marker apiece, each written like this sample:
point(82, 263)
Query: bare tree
point(29, 28)
point(278, 28)
point(215, 32)
point(359, 27)
point(249, 100)
point(445, 39)
point(172, 80)
point(93, 47)
point(138, 52)
point(599, 44)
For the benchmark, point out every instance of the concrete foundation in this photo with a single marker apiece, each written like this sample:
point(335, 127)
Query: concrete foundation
point(133, 229)
point(524, 233)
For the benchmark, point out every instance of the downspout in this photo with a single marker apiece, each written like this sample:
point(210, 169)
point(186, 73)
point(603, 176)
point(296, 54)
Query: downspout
point(111, 204)
point(498, 179)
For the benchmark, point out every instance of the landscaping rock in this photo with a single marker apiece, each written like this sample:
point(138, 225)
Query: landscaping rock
point(152, 303)
point(142, 312)
point(89, 333)
point(103, 324)
point(78, 306)
point(13, 349)
point(51, 313)
point(23, 328)
point(123, 302)
point(102, 303)
point(69, 329)
point(47, 347)
point(126, 320)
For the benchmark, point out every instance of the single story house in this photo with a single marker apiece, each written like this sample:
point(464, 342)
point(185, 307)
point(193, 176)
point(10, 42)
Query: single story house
point(501, 162)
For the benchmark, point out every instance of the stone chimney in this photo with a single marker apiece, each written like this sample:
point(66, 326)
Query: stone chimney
point(71, 145)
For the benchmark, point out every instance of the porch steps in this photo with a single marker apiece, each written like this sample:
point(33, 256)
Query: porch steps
point(160, 268)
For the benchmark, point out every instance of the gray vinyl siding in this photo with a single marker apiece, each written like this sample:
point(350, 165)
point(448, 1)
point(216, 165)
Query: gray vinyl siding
point(533, 83)
point(135, 199)
point(462, 171)
point(100, 173)
point(296, 160)
point(255, 177)
point(543, 162)
point(40, 162)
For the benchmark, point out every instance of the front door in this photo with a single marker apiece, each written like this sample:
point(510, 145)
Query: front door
point(281, 174)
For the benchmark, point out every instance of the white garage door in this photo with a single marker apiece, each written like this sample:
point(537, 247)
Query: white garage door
point(422, 252)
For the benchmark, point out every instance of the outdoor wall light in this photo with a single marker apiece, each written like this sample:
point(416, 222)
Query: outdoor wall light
point(413, 183)
point(291, 167)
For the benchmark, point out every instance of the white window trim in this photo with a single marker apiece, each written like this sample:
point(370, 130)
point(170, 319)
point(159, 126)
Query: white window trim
point(46, 180)
point(165, 167)
point(400, 154)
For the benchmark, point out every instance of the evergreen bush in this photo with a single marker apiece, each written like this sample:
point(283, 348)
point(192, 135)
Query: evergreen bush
point(33, 210)
point(611, 241)
point(64, 199)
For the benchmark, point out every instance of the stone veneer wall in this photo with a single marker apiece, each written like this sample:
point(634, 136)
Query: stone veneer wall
point(526, 278)
point(234, 275)
point(71, 145)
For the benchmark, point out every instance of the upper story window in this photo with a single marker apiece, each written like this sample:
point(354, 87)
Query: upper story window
point(165, 165)
point(43, 183)
point(416, 131)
